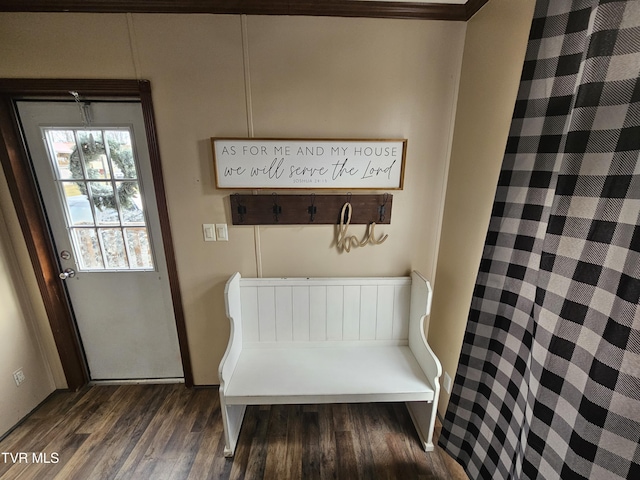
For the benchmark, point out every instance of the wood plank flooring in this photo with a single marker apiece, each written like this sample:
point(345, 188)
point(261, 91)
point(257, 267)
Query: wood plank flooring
point(171, 432)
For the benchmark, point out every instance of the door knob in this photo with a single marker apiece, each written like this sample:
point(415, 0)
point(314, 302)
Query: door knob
point(68, 273)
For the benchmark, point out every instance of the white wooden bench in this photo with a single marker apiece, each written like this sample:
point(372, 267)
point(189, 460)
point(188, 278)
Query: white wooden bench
point(328, 340)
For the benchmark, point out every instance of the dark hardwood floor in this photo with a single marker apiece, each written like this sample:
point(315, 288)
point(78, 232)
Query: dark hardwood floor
point(171, 432)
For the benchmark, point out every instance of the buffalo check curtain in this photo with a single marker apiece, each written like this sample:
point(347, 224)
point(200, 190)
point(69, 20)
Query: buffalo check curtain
point(548, 384)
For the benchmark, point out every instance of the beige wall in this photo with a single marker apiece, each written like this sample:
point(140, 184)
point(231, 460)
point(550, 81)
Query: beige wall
point(305, 77)
point(20, 342)
point(218, 75)
point(493, 54)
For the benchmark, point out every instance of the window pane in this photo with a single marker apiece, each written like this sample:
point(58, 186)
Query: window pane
point(94, 153)
point(130, 202)
point(88, 162)
point(105, 202)
point(77, 203)
point(121, 153)
point(113, 245)
point(139, 248)
point(63, 144)
point(86, 240)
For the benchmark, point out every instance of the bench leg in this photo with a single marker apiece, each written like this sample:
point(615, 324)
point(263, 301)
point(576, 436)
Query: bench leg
point(232, 416)
point(423, 415)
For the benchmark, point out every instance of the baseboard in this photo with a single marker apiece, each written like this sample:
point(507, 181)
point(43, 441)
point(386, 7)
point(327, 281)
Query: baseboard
point(23, 419)
point(138, 381)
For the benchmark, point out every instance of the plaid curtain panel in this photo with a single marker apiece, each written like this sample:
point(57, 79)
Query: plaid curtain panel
point(548, 384)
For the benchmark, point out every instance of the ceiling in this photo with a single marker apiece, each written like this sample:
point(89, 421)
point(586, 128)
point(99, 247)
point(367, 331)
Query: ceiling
point(455, 10)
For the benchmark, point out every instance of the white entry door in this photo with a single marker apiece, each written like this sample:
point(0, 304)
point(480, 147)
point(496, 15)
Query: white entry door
point(94, 174)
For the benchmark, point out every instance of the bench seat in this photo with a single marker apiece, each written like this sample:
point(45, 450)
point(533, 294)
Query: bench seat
point(327, 374)
point(328, 340)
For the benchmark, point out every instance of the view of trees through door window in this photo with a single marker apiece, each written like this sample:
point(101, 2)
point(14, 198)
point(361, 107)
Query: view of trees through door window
point(95, 170)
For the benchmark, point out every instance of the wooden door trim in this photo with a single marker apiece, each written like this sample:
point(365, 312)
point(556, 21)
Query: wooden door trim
point(334, 8)
point(39, 245)
point(24, 193)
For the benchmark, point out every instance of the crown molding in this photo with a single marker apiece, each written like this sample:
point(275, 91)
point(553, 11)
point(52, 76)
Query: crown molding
point(333, 8)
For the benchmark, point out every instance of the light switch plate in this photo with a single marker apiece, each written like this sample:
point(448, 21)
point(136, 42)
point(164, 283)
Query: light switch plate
point(209, 232)
point(222, 232)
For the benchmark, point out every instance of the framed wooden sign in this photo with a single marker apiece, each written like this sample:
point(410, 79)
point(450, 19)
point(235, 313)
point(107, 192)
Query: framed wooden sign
point(274, 163)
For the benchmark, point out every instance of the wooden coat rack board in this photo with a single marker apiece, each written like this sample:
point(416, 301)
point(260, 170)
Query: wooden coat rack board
point(311, 209)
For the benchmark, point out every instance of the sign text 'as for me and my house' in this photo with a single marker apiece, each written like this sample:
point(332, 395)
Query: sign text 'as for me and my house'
point(283, 163)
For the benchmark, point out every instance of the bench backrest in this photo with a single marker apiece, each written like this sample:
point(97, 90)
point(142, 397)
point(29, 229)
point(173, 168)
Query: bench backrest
point(325, 309)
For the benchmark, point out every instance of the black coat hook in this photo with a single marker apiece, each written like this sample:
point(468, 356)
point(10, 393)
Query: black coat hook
point(312, 208)
point(242, 210)
point(277, 209)
point(382, 208)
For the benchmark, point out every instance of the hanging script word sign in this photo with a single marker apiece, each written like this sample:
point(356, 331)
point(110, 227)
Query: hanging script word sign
point(281, 163)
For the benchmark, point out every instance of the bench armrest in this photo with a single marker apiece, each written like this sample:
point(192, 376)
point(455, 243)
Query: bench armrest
point(234, 347)
point(420, 308)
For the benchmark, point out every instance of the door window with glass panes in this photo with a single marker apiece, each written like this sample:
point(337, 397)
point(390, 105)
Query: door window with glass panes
point(96, 174)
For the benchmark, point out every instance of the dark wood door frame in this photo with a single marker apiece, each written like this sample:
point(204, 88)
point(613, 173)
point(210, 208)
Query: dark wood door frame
point(26, 199)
